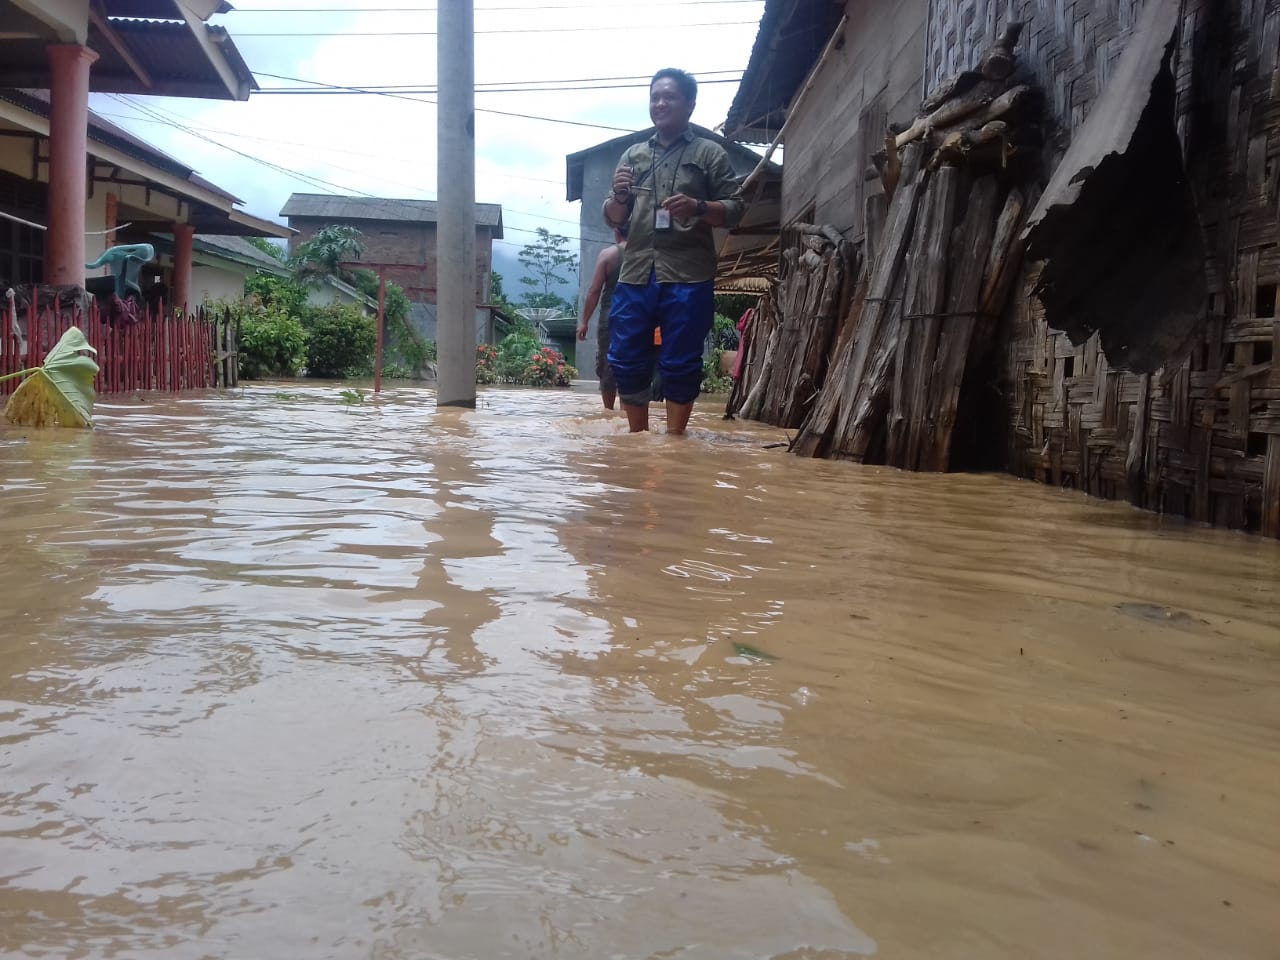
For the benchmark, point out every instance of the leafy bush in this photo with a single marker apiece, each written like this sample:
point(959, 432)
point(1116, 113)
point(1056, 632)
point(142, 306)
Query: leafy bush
point(281, 293)
point(515, 351)
point(272, 342)
point(340, 342)
point(486, 363)
point(724, 333)
point(546, 368)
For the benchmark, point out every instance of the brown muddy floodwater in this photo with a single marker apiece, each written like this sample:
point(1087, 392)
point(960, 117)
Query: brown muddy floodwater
point(283, 678)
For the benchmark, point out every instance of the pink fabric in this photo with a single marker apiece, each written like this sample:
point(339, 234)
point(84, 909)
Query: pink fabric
point(744, 333)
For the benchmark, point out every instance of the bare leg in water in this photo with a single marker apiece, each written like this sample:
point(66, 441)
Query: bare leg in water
point(637, 416)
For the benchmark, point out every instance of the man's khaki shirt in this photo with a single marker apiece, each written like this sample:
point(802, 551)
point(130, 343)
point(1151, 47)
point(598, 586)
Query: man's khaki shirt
point(686, 252)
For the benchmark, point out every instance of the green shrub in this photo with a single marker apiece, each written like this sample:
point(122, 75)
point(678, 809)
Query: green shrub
point(486, 363)
point(279, 292)
point(515, 352)
point(272, 343)
point(340, 342)
point(546, 368)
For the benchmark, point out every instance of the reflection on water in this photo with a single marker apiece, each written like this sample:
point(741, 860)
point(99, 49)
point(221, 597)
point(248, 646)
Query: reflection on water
point(285, 678)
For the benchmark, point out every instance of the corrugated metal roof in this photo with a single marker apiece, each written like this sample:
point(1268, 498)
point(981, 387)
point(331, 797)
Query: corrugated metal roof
point(319, 206)
point(153, 9)
point(240, 249)
point(173, 57)
point(792, 36)
point(179, 58)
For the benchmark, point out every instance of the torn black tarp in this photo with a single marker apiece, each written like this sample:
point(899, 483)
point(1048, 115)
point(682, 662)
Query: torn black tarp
point(1116, 227)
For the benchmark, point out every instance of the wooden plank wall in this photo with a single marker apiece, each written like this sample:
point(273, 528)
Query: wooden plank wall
point(1201, 436)
point(874, 77)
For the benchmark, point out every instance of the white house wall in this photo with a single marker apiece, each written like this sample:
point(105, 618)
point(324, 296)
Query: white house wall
point(210, 284)
point(15, 156)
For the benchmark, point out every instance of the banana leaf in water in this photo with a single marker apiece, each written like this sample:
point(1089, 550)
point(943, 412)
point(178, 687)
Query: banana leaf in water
point(60, 391)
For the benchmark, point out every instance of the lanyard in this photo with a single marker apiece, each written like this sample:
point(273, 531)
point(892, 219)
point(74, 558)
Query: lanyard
point(653, 166)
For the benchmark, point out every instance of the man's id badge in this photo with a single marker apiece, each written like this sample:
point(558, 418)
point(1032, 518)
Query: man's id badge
point(662, 219)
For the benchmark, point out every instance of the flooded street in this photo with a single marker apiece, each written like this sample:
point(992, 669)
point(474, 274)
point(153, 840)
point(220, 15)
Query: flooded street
point(286, 678)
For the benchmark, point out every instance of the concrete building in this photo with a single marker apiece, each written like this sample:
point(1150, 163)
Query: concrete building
point(588, 177)
point(399, 241)
point(63, 168)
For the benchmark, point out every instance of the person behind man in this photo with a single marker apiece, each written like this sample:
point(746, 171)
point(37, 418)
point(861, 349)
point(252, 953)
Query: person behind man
point(670, 191)
point(600, 293)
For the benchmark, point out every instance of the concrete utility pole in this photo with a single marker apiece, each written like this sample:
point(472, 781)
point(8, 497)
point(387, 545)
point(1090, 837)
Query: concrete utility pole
point(456, 205)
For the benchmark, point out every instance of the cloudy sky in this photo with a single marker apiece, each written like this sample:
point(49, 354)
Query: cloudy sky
point(552, 78)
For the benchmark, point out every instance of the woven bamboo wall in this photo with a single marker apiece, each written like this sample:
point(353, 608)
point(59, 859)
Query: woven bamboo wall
point(1200, 437)
point(1069, 47)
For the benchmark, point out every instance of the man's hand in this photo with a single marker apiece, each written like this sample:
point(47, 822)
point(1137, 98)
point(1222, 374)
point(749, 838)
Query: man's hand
point(622, 183)
point(681, 206)
point(582, 329)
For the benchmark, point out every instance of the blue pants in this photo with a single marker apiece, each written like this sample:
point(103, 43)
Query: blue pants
point(684, 312)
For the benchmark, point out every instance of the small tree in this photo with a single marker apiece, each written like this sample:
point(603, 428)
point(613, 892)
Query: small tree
point(325, 253)
point(547, 259)
point(275, 251)
point(498, 296)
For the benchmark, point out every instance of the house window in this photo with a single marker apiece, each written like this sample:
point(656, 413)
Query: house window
point(1266, 300)
point(21, 247)
point(21, 254)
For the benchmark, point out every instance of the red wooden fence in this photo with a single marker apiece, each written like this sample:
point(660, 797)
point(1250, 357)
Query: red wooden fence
point(162, 353)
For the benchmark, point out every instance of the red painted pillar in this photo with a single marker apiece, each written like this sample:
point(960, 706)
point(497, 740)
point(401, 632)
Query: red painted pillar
point(183, 234)
point(68, 161)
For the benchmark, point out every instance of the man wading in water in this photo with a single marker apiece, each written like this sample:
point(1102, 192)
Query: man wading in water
point(670, 192)
point(600, 293)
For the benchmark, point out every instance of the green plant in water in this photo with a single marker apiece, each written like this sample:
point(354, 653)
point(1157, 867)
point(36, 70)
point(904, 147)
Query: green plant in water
point(352, 397)
point(288, 396)
point(751, 653)
point(60, 391)
point(340, 342)
point(272, 343)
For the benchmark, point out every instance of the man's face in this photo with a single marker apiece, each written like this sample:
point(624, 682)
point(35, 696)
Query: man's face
point(668, 109)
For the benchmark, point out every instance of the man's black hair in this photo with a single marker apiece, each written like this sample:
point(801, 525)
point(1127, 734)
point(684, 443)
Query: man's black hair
point(684, 80)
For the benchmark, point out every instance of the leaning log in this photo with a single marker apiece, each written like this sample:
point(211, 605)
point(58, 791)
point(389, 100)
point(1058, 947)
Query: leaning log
point(970, 254)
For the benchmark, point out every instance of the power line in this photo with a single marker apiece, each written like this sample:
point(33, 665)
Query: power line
point(737, 71)
point(299, 175)
point(297, 143)
point(501, 113)
point(632, 27)
point(514, 9)
point(296, 174)
point(479, 90)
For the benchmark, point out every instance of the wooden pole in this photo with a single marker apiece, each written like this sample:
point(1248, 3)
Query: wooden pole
point(377, 357)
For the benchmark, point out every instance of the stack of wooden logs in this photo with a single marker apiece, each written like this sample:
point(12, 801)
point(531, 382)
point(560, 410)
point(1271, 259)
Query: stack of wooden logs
point(940, 256)
point(788, 343)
